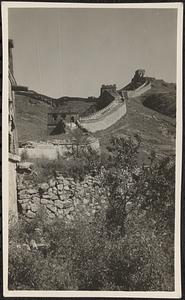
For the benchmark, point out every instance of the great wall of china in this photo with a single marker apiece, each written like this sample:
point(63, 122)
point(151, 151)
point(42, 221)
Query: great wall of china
point(109, 115)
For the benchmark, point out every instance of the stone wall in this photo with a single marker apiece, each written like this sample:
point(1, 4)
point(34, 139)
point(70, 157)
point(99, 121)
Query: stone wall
point(53, 151)
point(12, 186)
point(139, 91)
point(106, 119)
point(60, 197)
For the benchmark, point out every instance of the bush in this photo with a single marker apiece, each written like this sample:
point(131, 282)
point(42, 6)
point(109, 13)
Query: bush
point(128, 246)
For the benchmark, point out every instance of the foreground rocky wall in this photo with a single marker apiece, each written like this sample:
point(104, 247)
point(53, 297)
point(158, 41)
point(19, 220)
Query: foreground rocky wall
point(60, 197)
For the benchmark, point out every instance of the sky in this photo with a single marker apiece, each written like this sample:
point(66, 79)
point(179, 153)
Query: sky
point(73, 51)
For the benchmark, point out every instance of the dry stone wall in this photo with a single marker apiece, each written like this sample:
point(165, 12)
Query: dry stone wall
point(61, 197)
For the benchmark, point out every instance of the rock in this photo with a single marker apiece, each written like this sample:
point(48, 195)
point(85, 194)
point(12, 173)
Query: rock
point(60, 212)
point(86, 185)
point(33, 245)
point(46, 196)
point(66, 188)
point(50, 190)
point(85, 200)
point(20, 187)
point(58, 173)
point(54, 197)
point(24, 200)
point(24, 167)
point(44, 186)
point(24, 206)
point(52, 183)
point(70, 217)
point(44, 201)
point(59, 203)
point(24, 196)
point(76, 201)
point(36, 199)
point(55, 192)
point(51, 215)
point(60, 187)
point(32, 191)
point(30, 214)
point(62, 197)
point(66, 204)
point(66, 182)
point(34, 207)
point(22, 192)
point(128, 206)
point(52, 208)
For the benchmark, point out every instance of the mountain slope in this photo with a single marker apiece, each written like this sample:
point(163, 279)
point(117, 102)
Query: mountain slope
point(161, 97)
point(152, 116)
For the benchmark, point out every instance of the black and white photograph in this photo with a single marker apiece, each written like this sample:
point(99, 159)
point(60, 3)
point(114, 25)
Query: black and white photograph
point(92, 149)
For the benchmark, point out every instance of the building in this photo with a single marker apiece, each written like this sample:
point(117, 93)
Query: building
point(13, 141)
point(59, 118)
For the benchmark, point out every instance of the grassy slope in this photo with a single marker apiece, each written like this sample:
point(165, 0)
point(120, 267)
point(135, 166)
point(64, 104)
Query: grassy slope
point(161, 97)
point(31, 118)
point(156, 129)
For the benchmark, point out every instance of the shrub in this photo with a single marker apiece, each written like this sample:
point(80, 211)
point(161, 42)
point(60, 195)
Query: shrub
point(121, 248)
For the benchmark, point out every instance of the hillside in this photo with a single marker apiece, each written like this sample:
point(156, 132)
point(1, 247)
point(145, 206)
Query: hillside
point(161, 97)
point(31, 118)
point(32, 110)
point(156, 129)
point(152, 116)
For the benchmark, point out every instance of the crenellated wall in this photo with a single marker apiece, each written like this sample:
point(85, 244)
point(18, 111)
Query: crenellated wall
point(101, 121)
point(139, 91)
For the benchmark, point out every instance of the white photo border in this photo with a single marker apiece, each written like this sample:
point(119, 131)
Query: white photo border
point(5, 186)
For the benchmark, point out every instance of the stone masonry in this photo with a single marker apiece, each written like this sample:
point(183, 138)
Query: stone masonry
point(61, 197)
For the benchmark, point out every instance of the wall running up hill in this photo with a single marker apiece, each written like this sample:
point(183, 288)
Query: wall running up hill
point(103, 120)
point(109, 115)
